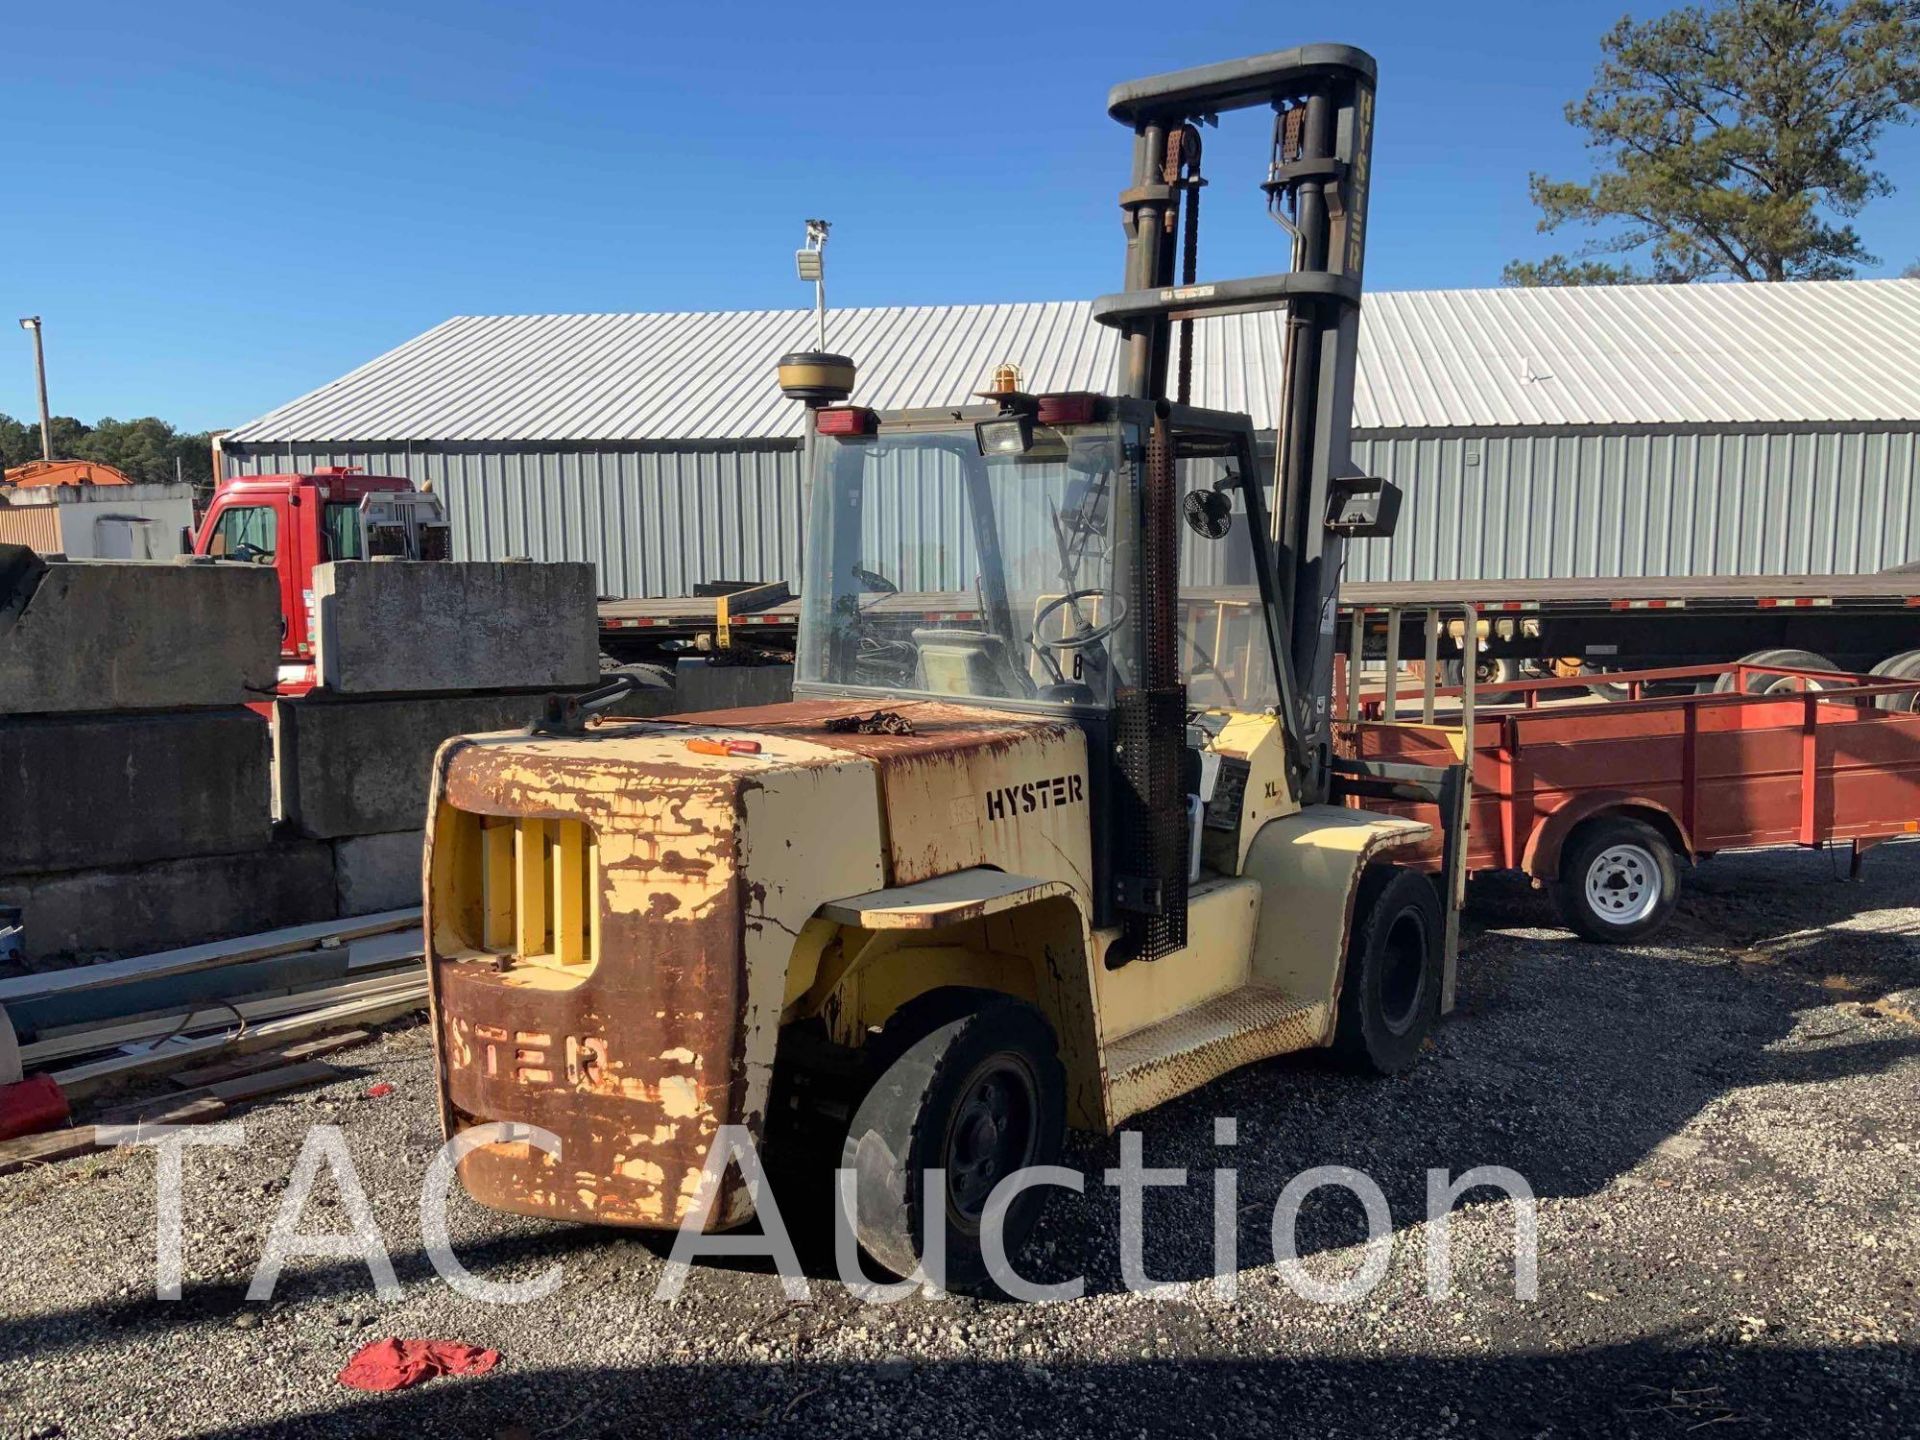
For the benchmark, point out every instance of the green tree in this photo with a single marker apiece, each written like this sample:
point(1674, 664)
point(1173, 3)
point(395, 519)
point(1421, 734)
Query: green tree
point(1735, 141)
point(1912, 272)
point(144, 449)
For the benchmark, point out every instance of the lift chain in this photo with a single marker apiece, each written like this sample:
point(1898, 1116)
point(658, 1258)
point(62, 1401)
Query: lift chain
point(1182, 171)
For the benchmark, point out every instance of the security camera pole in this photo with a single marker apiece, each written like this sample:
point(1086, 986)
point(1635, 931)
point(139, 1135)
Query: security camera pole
point(811, 265)
point(32, 322)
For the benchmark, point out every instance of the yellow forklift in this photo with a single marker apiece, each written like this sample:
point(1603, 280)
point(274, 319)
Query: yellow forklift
point(1046, 858)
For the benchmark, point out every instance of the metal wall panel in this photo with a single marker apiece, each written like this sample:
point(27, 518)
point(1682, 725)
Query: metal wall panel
point(1500, 507)
point(1490, 506)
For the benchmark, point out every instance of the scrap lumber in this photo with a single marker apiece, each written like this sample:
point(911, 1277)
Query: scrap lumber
point(212, 1101)
point(204, 1075)
point(67, 1044)
point(31, 1150)
point(83, 1080)
point(287, 941)
point(165, 1110)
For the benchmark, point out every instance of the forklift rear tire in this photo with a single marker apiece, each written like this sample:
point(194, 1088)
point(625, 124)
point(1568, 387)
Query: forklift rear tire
point(1390, 997)
point(974, 1087)
point(1618, 881)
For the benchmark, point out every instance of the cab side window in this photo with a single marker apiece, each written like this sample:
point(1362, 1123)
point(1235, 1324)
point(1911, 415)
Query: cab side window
point(343, 532)
point(247, 532)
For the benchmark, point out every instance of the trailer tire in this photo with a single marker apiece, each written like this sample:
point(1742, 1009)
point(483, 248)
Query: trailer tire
point(1487, 670)
point(1619, 880)
point(1904, 666)
point(972, 1084)
point(1775, 684)
point(1390, 992)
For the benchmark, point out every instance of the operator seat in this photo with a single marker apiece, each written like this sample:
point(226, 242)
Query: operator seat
point(967, 662)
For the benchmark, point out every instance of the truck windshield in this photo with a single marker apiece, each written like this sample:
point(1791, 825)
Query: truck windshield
point(931, 569)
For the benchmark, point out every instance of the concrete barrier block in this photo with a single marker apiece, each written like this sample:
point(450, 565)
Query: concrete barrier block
point(372, 873)
point(86, 636)
point(361, 767)
point(138, 909)
point(700, 685)
point(395, 627)
point(83, 791)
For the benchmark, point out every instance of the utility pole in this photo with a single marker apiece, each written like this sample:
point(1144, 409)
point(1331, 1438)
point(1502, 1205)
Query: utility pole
point(32, 323)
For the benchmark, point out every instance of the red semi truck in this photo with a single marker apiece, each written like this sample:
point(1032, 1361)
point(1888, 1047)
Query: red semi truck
point(297, 521)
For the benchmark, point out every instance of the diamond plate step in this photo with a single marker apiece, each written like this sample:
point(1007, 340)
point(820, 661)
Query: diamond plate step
point(1184, 1051)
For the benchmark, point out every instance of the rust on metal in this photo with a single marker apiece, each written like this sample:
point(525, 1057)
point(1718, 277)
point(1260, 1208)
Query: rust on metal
point(880, 722)
point(636, 1063)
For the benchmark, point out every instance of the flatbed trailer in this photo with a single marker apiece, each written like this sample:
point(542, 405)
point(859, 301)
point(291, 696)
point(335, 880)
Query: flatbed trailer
point(1605, 802)
point(1527, 628)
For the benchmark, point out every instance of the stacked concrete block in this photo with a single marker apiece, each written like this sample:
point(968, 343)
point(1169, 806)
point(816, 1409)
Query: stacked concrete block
point(410, 654)
point(135, 803)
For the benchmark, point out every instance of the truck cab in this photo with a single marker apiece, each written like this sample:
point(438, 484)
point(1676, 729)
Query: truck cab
point(294, 522)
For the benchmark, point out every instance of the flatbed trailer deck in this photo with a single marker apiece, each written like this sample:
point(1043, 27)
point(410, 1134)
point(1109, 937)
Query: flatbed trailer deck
point(1853, 621)
point(1663, 781)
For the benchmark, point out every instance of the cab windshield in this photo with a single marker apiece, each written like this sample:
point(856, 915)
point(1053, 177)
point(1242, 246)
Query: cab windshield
point(932, 569)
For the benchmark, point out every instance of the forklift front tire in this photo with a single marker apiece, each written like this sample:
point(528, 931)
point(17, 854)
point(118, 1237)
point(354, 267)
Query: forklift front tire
point(1618, 881)
point(978, 1095)
point(1390, 997)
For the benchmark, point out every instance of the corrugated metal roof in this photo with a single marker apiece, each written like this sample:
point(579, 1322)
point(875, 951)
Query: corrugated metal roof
point(1728, 354)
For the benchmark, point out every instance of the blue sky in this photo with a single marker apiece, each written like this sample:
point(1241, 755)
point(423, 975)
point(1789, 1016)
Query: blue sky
point(218, 206)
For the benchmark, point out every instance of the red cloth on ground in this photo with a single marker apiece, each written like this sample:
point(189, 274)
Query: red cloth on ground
point(396, 1364)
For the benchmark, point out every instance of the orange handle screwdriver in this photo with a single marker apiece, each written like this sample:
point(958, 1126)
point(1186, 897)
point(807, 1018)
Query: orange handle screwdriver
point(704, 746)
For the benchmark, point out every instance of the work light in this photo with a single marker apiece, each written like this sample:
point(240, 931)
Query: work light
point(1010, 434)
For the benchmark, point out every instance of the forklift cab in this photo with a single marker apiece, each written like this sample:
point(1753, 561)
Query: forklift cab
point(1020, 530)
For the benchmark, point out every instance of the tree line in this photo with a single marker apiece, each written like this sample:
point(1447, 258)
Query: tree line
point(1733, 141)
point(147, 449)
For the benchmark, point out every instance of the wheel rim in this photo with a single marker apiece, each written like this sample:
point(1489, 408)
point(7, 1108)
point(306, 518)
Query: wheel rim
point(1786, 685)
point(1623, 884)
point(994, 1132)
point(1403, 971)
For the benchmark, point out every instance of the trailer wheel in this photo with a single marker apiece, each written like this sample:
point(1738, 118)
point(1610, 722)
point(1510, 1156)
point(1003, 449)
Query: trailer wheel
point(1487, 670)
point(1618, 881)
point(978, 1094)
point(1904, 666)
point(1390, 995)
point(1776, 684)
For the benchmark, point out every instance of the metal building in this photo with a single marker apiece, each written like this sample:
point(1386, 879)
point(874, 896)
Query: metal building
point(1637, 430)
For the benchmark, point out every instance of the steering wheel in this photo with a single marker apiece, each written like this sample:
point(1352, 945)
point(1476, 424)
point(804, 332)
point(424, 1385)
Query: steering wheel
point(1082, 638)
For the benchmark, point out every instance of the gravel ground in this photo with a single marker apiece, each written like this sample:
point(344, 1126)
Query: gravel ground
point(1719, 1129)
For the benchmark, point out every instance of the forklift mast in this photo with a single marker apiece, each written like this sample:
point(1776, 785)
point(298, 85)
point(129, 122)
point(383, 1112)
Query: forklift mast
point(1322, 99)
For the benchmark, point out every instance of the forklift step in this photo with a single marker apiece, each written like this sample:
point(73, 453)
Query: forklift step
point(1186, 1050)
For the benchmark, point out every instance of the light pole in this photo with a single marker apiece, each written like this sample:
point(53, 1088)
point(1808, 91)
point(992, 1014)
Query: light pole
point(811, 264)
point(32, 323)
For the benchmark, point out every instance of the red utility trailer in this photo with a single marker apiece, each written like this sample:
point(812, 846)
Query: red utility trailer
point(1605, 802)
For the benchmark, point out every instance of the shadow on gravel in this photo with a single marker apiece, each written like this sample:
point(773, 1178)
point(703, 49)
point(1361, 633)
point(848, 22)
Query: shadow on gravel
point(1567, 1062)
point(1648, 1388)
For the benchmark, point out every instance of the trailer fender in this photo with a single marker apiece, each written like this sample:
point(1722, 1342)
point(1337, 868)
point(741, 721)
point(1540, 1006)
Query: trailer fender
point(1541, 858)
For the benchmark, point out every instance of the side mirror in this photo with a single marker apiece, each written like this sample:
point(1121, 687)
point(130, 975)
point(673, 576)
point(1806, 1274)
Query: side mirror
point(186, 539)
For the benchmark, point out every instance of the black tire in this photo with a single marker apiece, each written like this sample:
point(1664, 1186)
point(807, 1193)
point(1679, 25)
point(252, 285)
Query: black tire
point(1904, 666)
point(1774, 684)
point(1487, 670)
point(1619, 880)
point(932, 1106)
point(1390, 993)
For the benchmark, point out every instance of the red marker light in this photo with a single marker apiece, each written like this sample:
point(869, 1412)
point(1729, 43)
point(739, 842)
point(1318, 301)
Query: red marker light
point(845, 420)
